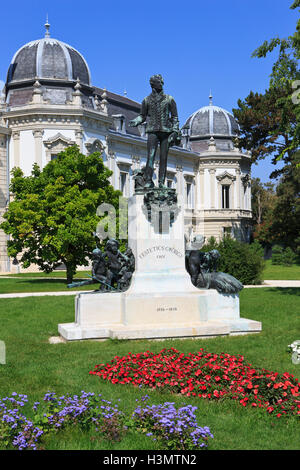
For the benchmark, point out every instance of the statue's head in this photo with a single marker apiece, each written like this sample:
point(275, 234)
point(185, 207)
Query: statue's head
point(112, 245)
point(215, 254)
point(156, 81)
point(198, 242)
point(97, 253)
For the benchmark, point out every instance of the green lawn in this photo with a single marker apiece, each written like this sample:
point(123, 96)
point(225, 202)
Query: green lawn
point(56, 281)
point(55, 274)
point(280, 272)
point(33, 366)
point(39, 284)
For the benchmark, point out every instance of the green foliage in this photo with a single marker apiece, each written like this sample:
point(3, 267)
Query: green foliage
point(283, 256)
point(289, 257)
point(267, 123)
point(30, 371)
point(256, 247)
point(263, 197)
point(270, 122)
point(211, 244)
point(285, 225)
point(270, 126)
point(52, 217)
point(241, 260)
point(281, 272)
point(277, 254)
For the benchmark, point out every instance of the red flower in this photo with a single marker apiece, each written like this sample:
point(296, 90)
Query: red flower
point(189, 375)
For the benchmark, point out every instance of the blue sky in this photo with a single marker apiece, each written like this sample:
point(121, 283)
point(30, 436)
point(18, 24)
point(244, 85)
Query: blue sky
point(197, 45)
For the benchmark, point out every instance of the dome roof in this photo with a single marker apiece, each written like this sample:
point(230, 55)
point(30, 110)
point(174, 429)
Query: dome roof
point(212, 121)
point(48, 58)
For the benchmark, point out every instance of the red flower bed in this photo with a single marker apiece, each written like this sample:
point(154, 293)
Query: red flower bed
point(206, 375)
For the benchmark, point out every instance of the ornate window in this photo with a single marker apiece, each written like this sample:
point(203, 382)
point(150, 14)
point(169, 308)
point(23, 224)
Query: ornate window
point(124, 178)
point(55, 145)
point(170, 179)
point(189, 191)
point(94, 145)
point(225, 190)
point(225, 196)
point(227, 231)
point(123, 182)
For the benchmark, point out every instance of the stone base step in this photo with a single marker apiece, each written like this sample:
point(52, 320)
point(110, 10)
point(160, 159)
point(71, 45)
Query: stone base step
point(74, 331)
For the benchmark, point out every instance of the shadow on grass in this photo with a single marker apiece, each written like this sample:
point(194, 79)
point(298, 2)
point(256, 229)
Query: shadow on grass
point(41, 281)
point(286, 290)
point(22, 285)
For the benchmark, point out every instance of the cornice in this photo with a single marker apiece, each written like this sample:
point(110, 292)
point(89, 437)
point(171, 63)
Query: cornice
point(228, 214)
point(57, 112)
point(224, 155)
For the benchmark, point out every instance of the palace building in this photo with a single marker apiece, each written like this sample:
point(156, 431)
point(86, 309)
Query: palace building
point(49, 103)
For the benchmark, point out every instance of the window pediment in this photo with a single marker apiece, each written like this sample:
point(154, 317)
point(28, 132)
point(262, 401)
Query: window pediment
point(56, 144)
point(57, 140)
point(226, 178)
point(94, 145)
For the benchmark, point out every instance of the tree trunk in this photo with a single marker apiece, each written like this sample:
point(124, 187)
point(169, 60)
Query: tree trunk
point(259, 209)
point(70, 272)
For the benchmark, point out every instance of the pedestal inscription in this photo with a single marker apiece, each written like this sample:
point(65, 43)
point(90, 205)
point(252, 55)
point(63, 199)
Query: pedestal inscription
point(161, 301)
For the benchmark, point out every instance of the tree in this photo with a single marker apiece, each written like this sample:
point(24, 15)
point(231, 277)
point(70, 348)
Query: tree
point(281, 222)
point(263, 124)
point(270, 122)
point(262, 200)
point(242, 260)
point(270, 126)
point(52, 217)
point(285, 226)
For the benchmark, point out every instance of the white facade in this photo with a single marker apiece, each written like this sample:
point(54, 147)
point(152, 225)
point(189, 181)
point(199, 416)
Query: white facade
point(35, 132)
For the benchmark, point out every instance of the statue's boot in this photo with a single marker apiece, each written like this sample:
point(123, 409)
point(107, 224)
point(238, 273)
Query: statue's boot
point(162, 186)
point(149, 184)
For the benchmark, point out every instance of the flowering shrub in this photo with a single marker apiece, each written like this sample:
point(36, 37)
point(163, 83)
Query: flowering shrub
point(207, 375)
point(173, 429)
point(55, 413)
point(177, 429)
point(15, 428)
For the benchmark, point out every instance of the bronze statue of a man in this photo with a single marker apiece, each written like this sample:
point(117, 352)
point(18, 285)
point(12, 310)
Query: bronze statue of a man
point(162, 128)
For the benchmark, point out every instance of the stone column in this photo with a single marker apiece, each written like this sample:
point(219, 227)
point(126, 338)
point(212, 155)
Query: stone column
point(113, 167)
point(249, 195)
point(238, 187)
point(212, 173)
point(79, 138)
point(136, 162)
point(38, 144)
point(202, 201)
point(180, 185)
point(16, 143)
point(197, 188)
point(4, 260)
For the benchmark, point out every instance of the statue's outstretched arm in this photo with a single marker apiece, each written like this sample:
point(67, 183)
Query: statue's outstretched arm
point(141, 117)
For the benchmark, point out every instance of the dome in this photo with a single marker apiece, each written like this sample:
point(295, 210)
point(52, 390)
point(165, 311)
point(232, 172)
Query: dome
point(48, 58)
point(212, 121)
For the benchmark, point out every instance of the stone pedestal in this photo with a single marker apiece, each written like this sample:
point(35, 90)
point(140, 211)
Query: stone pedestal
point(161, 301)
